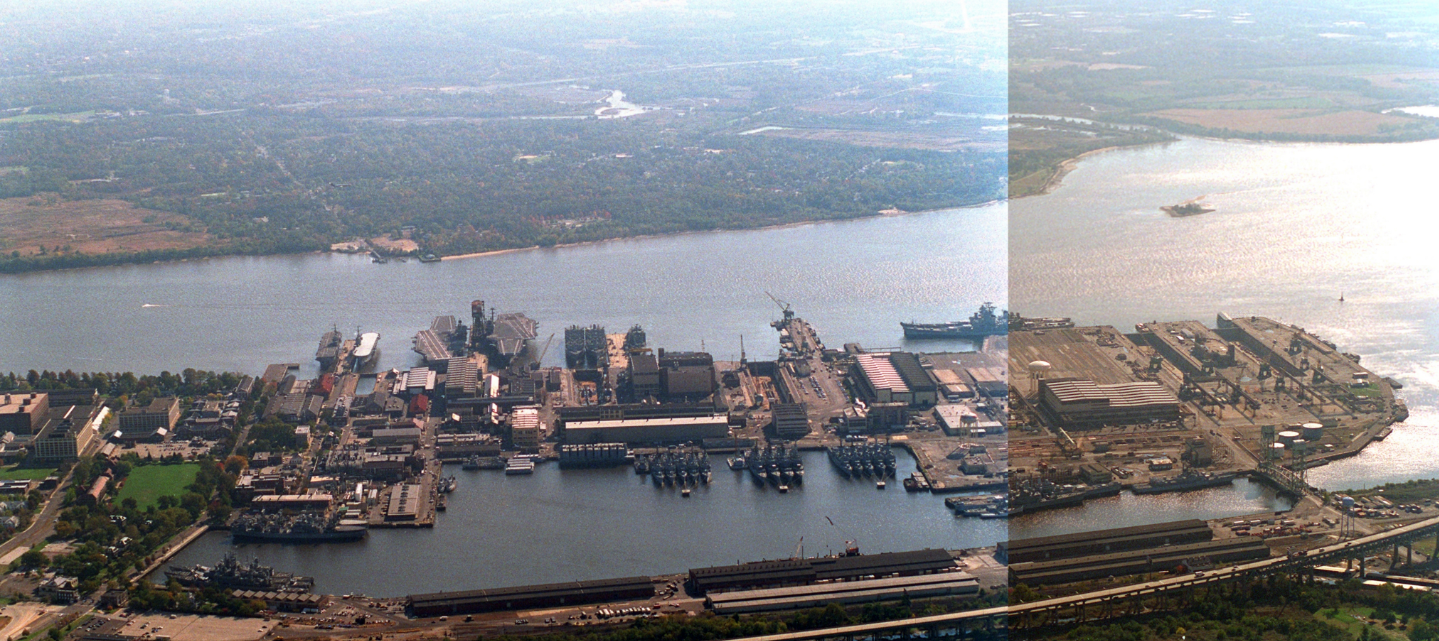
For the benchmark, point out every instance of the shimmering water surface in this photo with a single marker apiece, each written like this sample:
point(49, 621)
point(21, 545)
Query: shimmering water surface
point(1295, 226)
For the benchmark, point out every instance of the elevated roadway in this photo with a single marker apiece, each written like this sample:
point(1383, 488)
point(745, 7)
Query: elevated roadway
point(1120, 601)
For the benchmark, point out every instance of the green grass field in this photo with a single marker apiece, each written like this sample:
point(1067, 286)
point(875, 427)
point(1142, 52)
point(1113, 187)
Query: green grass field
point(80, 116)
point(13, 473)
point(147, 483)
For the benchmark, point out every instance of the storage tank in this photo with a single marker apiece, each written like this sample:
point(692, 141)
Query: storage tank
point(1288, 437)
point(1276, 450)
point(1313, 431)
point(1348, 503)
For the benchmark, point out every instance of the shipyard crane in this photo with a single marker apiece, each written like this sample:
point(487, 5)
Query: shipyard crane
point(539, 362)
point(784, 307)
point(851, 544)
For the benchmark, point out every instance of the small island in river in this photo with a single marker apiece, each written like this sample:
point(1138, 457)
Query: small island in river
point(1190, 208)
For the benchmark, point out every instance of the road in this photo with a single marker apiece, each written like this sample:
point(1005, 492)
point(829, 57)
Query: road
point(43, 523)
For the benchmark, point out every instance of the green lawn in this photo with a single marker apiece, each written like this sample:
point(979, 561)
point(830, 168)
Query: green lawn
point(147, 483)
point(79, 116)
point(14, 473)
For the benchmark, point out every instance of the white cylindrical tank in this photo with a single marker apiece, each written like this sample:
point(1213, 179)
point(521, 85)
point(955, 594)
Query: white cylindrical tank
point(1276, 450)
point(1288, 437)
point(1313, 431)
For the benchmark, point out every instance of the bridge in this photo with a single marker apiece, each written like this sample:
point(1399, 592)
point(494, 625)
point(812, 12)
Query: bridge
point(1127, 600)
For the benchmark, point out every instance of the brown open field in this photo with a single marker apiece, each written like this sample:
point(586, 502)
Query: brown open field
point(1405, 79)
point(401, 245)
point(89, 226)
point(1290, 121)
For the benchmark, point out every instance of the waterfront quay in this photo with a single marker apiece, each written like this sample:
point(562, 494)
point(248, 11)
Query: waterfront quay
point(1178, 406)
point(379, 449)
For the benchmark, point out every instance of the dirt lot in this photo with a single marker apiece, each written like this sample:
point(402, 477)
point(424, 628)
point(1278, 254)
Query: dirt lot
point(1292, 121)
point(89, 226)
point(387, 244)
point(197, 628)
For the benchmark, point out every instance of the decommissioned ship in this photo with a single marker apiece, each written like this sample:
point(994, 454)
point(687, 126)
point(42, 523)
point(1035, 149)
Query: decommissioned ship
point(874, 460)
point(988, 321)
point(308, 527)
point(366, 351)
point(231, 574)
point(683, 468)
point(1186, 481)
point(778, 465)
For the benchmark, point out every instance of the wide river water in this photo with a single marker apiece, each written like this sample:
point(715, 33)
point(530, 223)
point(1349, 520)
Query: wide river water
point(1295, 226)
point(853, 280)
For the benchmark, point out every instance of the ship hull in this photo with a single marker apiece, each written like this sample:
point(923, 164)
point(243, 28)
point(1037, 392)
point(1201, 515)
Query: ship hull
point(329, 536)
point(921, 330)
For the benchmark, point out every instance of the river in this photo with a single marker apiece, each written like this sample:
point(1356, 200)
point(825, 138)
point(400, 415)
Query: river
point(853, 280)
point(1296, 226)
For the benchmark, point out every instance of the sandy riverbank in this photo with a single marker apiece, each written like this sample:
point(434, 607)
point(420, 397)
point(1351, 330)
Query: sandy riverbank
point(888, 213)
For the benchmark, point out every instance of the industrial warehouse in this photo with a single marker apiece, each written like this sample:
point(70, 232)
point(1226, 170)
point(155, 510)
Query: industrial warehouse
point(1179, 406)
point(1066, 546)
point(807, 571)
point(533, 596)
point(844, 593)
point(1162, 547)
point(1078, 403)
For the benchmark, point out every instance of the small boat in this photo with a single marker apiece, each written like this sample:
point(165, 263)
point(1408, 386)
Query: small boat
point(685, 492)
point(879, 485)
point(784, 489)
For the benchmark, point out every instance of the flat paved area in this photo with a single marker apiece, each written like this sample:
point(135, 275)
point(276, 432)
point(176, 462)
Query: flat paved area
point(21, 616)
point(197, 628)
point(1071, 352)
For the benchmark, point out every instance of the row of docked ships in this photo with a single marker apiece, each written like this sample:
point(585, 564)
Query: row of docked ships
point(995, 506)
point(230, 574)
point(305, 527)
point(675, 467)
point(867, 460)
point(777, 465)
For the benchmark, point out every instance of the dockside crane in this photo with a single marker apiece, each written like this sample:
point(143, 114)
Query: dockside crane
point(539, 362)
point(851, 544)
point(784, 308)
